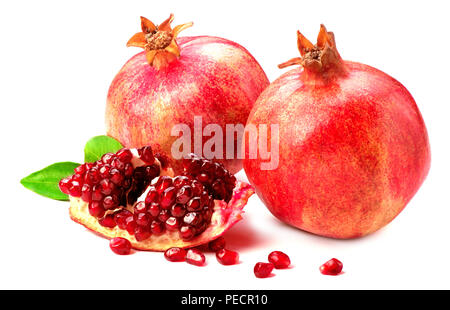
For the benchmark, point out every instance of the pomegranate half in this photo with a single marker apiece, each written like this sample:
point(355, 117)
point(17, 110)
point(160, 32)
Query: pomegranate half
point(353, 147)
point(176, 79)
point(130, 195)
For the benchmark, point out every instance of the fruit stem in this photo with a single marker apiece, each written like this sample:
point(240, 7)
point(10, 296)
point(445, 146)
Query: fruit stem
point(321, 59)
point(159, 42)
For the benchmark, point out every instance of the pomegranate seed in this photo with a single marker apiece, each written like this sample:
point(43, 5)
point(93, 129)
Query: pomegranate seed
point(164, 215)
point(227, 257)
point(128, 170)
point(120, 246)
point(75, 189)
point(279, 259)
point(163, 183)
point(146, 155)
point(96, 194)
point(92, 176)
point(140, 207)
point(124, 155)
point(142, 233)
point(175, 255)
point(168, 197)
point(180, 181)
point(81, 169)
point(64, 185)
point(107, 158)
point(96, 209)
point(332, 267)
point(263, 270)
point(195, 257)
point(142, 219)
point(106, 186)
point(187, 232)
point(130, 224)
point(184, 194)
point(192, 218)
point(217, 245)
point(110, 202)
point(120, 218)
point(157, 227)
point(178, 210)
point(104, 171)
point(118, 164)
point(154, 209)
point(108, 221)
point(116, 176)
point(172, 223)
point(152, 196)
point(194, 204)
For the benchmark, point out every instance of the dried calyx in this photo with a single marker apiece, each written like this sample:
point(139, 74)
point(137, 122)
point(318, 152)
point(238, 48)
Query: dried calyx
point(159, 42)
point(321, 58)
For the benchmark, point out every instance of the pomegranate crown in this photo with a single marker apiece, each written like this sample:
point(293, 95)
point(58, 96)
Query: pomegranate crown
point(159, 42)
point(317, 58)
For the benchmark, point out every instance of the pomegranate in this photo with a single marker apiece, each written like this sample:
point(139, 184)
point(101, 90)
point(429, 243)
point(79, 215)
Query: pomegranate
point(176, 79)
point(353, 147)
point(130, 195)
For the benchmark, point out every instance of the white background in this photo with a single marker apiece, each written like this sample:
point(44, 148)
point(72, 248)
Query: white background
point(57, 60)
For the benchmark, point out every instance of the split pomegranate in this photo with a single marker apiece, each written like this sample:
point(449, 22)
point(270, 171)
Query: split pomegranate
point(120, 246)
point(263, 270)
point(176, 79)
point(333, 267)
point(130, 195)
point(353, 147)
point(227, 257)
point(279, 259)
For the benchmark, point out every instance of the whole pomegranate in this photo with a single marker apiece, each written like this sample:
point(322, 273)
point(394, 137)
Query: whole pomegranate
point(176, 79)
point(353, 147)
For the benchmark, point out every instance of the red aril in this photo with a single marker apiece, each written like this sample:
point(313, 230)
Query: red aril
point(332, 267)
point(263, 270)
point(352, 149)
point(195, 257)
point(279, 259)
point(120, 246)
point(227, 257)
point(175, 254)
point(217, 245)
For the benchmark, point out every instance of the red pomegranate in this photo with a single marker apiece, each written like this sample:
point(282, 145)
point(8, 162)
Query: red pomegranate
point(176, 79)
point(129, 197)
point(353, 147)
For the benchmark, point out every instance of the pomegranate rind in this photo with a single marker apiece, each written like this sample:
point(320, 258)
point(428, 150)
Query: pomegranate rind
point(224, 217)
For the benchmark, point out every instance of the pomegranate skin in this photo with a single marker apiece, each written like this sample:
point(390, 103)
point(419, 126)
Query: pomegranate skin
point(353, 150)
point(214, 78)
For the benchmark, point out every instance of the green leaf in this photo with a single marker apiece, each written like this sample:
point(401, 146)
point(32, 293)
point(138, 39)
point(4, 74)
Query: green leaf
point(45, 182)
point(99, 145)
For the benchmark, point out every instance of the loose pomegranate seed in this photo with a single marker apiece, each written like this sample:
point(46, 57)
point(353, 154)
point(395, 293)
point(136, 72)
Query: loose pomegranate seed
point(195, 257)
point(332, 267)
point(227, 257)
point(279, 259)
point(263, 270)
point(217, 245)
point(108, 221)
point(175, 255)
point(120, 246)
